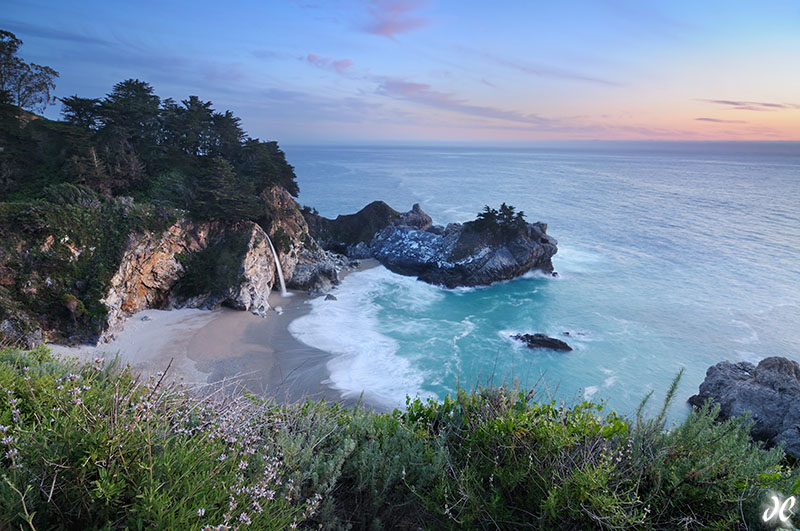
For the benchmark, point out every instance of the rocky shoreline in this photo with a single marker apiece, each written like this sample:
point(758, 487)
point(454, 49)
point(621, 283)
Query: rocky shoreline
point(769, 393)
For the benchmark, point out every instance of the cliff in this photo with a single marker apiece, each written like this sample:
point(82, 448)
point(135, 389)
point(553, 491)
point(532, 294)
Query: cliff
point(191, 265)
point(75, 272)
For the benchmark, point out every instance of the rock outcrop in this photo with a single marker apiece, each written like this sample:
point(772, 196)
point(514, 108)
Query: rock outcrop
point(466, 254)
point(18, 329)
point(228, 265)
point(769, 392)
point(463, 256)
point(349, 232)
point(306, 266)
point(542, 341)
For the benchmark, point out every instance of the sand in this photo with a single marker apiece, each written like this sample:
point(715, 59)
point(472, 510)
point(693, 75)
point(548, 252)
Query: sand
point(203, 347)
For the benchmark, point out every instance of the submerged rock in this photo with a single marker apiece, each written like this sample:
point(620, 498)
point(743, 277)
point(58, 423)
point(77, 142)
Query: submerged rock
point(542, 341)
point(770, 392)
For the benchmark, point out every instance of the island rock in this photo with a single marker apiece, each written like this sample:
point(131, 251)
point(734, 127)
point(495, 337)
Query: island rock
point(468, 254)
point(769, 392)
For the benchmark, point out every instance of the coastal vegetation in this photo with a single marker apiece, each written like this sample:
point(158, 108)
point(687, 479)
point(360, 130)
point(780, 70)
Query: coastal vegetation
point(92, 446)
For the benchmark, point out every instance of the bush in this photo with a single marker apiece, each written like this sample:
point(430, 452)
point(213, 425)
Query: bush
point(88, 447)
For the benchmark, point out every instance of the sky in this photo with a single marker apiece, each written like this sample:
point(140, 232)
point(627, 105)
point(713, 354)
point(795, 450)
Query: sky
point(349, 71)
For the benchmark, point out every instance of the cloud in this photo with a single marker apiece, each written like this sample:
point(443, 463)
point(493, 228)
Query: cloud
point(24, 30)
point(423, 94)
point(339, 66)
point(753, 105)
point(393, 17)
point(541, 70)
point(718, 121)
point(265, 54)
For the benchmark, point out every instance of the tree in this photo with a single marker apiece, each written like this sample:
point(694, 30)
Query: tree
point(264, 164)
point(222, 195)
point(131, 111)
point(28, 83)
point(83, 112)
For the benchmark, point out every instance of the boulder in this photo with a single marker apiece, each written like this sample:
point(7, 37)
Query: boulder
point(769, 392)
point(317, 270)
point(542, 341)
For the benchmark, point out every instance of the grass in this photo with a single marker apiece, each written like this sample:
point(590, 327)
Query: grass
point(93, 447)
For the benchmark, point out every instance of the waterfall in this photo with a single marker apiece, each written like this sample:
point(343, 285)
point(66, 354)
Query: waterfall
point(284, 293)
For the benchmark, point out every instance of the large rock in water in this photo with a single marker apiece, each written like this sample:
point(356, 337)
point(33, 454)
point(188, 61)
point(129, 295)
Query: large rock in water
point(462, 255)
point(457, 255)
point(770, 392)
point(346, 232)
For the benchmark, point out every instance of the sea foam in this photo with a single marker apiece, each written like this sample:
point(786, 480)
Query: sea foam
point(365, 359)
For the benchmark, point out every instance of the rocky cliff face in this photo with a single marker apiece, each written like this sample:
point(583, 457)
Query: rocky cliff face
point(348, 230)
point(462, 257)
point(769, 392)
point(207, 265)
point(167, 270)
point(305, 264)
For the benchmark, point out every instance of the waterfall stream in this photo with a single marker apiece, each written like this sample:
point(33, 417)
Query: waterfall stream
point(284, 293)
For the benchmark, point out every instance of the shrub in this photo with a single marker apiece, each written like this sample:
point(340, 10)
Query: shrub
point(89, 447)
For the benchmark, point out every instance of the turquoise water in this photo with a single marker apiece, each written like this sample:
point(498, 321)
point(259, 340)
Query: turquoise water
point(671, 255)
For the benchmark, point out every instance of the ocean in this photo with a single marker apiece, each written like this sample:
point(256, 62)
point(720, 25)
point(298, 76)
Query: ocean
point(671, 255)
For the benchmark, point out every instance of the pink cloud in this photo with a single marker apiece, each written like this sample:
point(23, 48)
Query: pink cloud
point(753, 105)
point(340, 66)
point(392, 17)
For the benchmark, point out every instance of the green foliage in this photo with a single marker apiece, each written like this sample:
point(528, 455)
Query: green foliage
point(28, 84)
point(90, 447)
point(69, 246)
point(221, 195)
point(281, 240)
point(215, 269)
point(128, 141)
point(370, 469)
point(502, 220)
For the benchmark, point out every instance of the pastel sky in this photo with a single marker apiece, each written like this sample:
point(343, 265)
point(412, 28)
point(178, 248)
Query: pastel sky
point(440, 70)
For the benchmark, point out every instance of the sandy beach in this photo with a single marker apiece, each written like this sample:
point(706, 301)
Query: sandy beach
point(205, 347)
